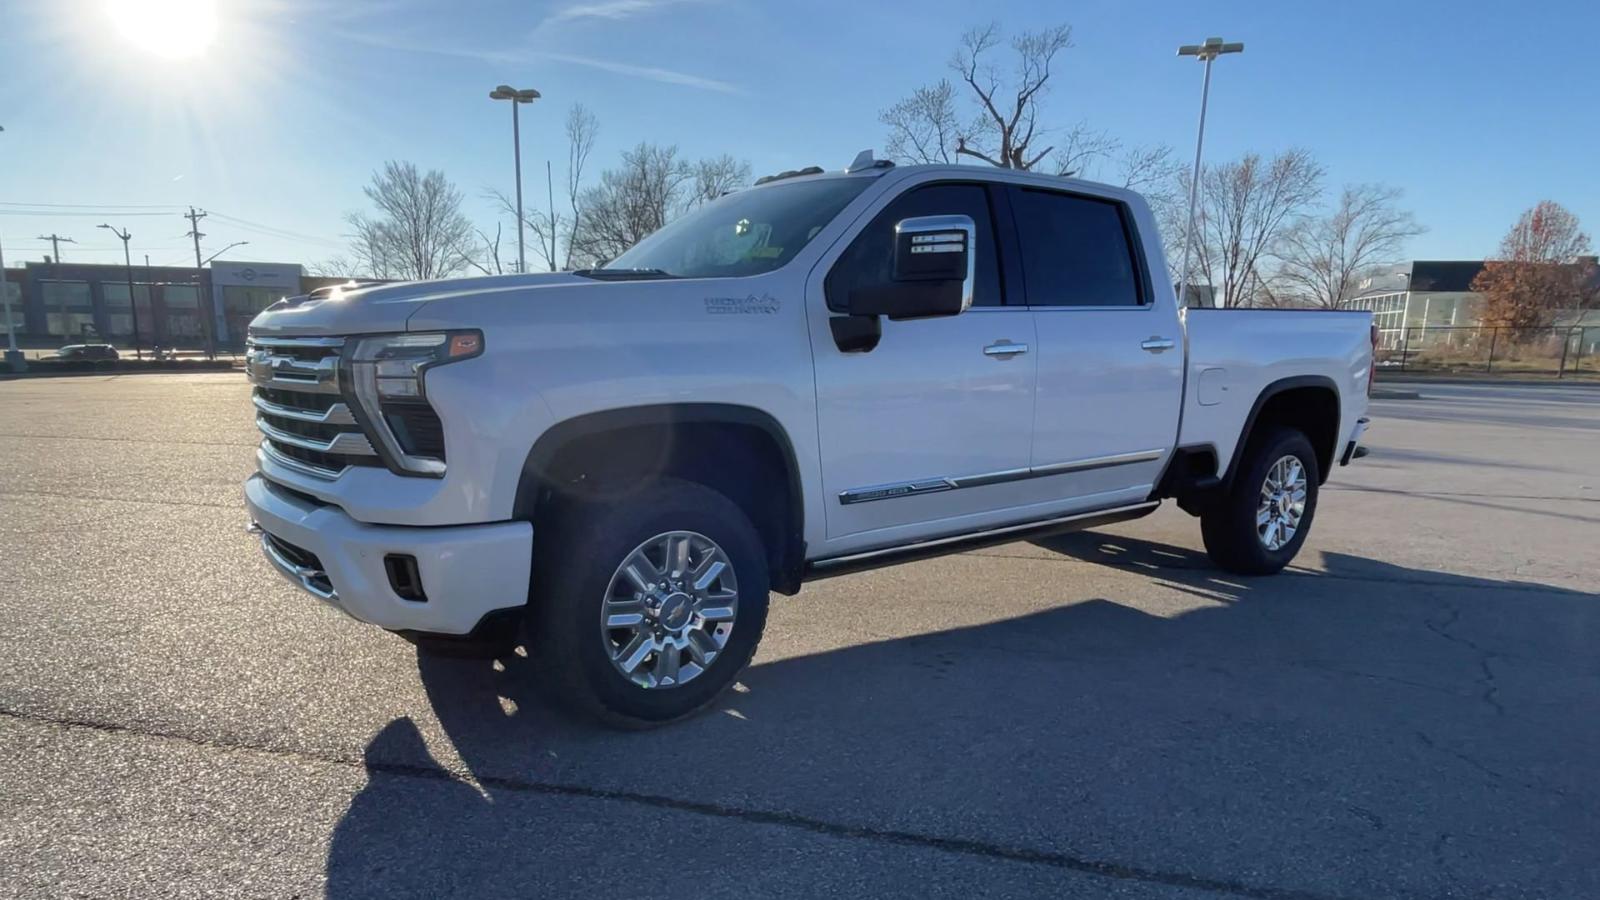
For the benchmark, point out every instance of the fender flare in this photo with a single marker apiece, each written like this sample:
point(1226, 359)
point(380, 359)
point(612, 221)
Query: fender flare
point(1293, 382)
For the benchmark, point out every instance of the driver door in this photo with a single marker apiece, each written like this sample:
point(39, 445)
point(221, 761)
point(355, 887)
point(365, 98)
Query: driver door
point(910, 429)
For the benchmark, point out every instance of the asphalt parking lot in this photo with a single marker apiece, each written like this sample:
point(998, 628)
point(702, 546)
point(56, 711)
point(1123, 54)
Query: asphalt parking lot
point(1412, 711)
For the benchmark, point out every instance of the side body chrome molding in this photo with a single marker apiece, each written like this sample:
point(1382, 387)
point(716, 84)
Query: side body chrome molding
point(936, 485)
point(872, 559)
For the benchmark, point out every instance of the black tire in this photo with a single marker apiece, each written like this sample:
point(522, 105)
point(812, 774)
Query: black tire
point(1229, 525)
point(574, 560)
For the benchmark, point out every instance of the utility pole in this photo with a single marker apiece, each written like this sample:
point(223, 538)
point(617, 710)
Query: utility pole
point(14, 358)
point(207, 312)
point(56, 241)
point(133, 302)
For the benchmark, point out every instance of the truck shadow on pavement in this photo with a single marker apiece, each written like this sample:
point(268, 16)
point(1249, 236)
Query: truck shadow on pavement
point(1362, 729)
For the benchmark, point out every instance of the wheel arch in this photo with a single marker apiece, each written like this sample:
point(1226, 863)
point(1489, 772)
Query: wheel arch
point(1310, 403)
point(741, 451)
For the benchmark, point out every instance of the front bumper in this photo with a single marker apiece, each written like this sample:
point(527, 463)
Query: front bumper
point(467, 571)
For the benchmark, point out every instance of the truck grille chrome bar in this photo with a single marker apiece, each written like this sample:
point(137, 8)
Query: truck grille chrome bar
point(309, 427)
point(335, 414)
point(345, 443)
point(297, 364)
point(299, 566)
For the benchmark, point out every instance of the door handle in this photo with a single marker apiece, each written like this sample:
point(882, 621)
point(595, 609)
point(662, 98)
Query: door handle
point(1004, 349)
point(1158, 344)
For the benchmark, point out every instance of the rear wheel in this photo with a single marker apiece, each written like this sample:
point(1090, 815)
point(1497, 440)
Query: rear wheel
point(646, 609)
point(1261, 523)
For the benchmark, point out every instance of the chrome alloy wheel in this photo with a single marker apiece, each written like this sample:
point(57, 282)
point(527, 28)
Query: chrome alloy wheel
point(669, 609)
point(1283, 503)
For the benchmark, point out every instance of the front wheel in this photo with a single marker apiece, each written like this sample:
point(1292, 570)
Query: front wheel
point(1262, 521)
point(644, 610)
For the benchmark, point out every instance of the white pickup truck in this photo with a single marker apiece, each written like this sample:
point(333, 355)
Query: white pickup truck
point(823, 373)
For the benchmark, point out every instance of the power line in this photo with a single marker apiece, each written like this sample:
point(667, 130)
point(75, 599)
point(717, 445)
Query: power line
point(51, 212)
point(272, 231)
point(93, 205)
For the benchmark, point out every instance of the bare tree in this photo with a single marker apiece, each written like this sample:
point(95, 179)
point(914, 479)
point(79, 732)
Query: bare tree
point(419, 231)
point(336, 266)
point(717, 176)
point(1082, 150)
point(1246, 207)
point(487, 260)
point(1324, 258)
point(1544, 267)
point(582, 129)
point(1002, 133)
point(553, 229)
point(630, 202)
point(926, 127)
point(923, 126)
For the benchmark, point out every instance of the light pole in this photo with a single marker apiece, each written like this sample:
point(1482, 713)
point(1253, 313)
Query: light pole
point(133, 302)
point(1206, 53)
point(224, 250)
point(14, 358)
point(517, 98)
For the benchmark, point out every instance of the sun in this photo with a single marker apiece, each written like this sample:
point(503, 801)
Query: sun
point(171, 29)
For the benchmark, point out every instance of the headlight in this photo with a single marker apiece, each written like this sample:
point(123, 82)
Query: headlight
point(389, 372)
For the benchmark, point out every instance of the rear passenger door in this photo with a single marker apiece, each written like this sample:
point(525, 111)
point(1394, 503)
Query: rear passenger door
point(1110, 346)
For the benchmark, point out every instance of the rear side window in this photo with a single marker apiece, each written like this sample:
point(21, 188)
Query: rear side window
point(1076, 251)
point(869, 260)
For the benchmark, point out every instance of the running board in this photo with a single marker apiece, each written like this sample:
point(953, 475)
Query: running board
point(873, 559)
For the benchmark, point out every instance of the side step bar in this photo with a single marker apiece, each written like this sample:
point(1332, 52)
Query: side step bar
point(873, 559)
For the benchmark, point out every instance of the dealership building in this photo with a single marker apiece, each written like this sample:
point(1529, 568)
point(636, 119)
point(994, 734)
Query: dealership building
point(54, 304)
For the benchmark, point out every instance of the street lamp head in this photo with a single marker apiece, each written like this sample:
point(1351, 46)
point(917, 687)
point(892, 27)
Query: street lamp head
point(1211, 49)
point(507, 92)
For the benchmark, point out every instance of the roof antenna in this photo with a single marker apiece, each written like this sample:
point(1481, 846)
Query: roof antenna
point(864, 161)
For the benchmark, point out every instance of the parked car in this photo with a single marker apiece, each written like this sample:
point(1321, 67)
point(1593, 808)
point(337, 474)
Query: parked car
point(823, 373)
point(87, 351)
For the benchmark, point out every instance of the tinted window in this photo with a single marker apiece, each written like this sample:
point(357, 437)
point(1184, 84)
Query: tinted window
point(870, 258)
point(1075, 251)
point(745, 233)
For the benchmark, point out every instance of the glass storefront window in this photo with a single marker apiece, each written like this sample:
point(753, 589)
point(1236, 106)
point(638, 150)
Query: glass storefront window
point(68, 309)
point(119, 315)
point(182, 302)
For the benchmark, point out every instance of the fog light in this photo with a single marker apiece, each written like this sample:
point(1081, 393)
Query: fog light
point(404, 577)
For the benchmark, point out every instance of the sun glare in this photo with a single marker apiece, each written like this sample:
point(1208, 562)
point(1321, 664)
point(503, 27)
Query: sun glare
point(171, 29)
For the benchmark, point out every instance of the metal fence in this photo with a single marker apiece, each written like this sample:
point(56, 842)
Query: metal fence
point(1560, 351)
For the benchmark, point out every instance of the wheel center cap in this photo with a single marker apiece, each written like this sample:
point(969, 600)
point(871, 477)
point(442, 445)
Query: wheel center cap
point(676, 609)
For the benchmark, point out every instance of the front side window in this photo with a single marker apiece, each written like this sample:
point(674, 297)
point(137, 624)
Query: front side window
point(747, 233)
point(869, 260)
point(1075, 250)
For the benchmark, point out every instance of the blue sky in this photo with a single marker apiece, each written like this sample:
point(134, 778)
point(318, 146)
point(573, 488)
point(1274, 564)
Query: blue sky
point(1476, 110)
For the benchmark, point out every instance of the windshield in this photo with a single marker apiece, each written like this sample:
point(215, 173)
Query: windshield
point(746, 233)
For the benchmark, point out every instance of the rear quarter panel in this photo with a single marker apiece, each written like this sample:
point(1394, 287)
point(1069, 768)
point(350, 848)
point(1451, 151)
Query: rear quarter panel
point(1236, 354)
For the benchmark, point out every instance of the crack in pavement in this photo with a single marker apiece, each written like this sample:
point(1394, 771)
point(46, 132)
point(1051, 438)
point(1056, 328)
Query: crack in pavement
point(1491, 689)
point(959, 846)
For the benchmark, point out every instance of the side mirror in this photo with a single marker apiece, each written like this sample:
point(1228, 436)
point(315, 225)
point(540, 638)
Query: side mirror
point(933, 271)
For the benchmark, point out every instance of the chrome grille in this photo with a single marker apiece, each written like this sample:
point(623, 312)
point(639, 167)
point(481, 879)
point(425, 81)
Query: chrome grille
point(305, 422)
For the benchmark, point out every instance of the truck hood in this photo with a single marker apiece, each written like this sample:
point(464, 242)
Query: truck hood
point(388, 307)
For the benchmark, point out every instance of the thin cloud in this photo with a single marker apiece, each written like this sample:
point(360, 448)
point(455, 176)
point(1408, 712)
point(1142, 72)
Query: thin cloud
point(611, 10)
point(652, 73)
point(514, 57)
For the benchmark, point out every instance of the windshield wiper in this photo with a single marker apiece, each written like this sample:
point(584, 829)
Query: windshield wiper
point(624, 274)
